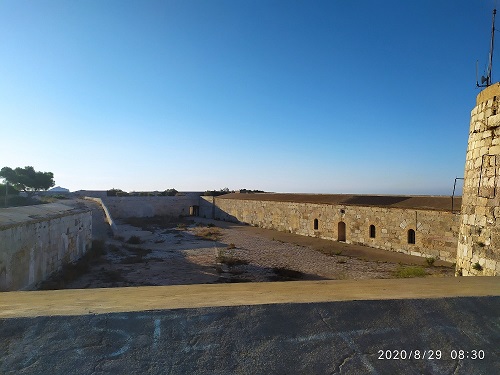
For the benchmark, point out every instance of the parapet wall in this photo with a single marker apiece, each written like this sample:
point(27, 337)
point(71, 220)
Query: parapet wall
point(436, 232)
point(36, 241)
point(123, 207)
point(107, 214)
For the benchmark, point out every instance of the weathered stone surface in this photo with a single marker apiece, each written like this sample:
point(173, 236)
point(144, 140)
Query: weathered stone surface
point(436, 232)
point(478, 246)
point(37, 240)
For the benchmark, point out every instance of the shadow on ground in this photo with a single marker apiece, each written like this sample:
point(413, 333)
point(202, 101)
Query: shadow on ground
point(442, 336)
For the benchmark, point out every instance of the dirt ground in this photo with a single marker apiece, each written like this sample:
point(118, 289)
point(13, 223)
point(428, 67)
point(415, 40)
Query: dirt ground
point(161, 251)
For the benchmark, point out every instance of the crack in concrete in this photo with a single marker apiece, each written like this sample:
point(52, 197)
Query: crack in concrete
point(347, 358)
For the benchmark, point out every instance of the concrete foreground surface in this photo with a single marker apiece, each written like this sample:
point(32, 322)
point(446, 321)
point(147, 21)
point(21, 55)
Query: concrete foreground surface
point(446, 325)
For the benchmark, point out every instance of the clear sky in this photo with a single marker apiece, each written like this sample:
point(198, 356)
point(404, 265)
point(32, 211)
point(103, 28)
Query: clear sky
point(333, 96)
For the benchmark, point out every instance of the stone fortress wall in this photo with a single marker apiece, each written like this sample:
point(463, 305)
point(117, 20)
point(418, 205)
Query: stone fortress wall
point(124, 207)
point(435, 231)
point(38, 240)
point(479, 239)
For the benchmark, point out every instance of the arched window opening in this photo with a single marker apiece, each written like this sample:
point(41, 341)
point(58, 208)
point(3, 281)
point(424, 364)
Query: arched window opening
point(372, 231)
point(411, 236)
point(315, 224)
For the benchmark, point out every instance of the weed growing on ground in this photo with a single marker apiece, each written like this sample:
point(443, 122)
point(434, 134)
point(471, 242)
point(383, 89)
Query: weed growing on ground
point(212, 234)
point(409, 271)
point(228, 257)
point(477, 266)
point(430, 261)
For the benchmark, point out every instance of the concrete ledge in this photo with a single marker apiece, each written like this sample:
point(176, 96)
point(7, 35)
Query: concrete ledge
point(101, 301)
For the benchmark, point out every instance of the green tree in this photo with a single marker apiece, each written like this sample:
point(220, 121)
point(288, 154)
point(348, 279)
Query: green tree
point(11, 190)
point(169, 192)
point(27, 179)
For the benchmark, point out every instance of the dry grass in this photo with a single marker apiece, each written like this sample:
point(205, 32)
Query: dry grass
point(409, 271)
point(212, 234)
point(227, 256)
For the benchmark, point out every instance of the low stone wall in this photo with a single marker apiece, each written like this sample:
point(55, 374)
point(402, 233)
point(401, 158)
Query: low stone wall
point(436, 232)
point(36, 241)
point(123, 207)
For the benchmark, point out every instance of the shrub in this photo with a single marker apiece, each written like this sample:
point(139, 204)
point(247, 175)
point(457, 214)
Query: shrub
point(430, 261)
point(212, 234)
point(228, 258)
point(11, 190)
point(59, 196)
point(477, 266)
point(169, 192)
point(72, 271)
point(113, 192)
point(215, 193)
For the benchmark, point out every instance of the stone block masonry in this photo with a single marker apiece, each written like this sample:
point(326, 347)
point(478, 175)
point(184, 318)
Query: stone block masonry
point(479, 239)
point(36, 241)
point(124, 207)
point(426, 233)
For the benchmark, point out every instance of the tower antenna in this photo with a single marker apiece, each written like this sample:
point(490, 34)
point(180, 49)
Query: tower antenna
point(486, 80)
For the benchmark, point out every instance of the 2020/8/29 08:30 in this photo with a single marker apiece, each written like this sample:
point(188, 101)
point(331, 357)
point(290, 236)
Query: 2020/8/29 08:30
point(403, 354)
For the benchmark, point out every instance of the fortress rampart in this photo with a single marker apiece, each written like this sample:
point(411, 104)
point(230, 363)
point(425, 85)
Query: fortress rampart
point(123, 207)
point(37, 240)
point(421, 232)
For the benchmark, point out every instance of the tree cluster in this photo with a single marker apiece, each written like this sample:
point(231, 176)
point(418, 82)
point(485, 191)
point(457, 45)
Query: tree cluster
point(215, 193)
point(27, 179)
point(120, 193)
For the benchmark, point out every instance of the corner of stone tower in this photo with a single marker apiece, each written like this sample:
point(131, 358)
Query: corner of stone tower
point(478, 250)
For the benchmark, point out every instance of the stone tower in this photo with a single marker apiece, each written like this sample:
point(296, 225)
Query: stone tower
point(479, 237)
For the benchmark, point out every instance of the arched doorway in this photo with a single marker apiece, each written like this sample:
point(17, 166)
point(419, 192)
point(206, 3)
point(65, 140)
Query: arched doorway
point(341, 231)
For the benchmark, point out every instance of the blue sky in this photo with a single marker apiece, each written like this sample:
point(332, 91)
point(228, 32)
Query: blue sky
point(291, 96)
